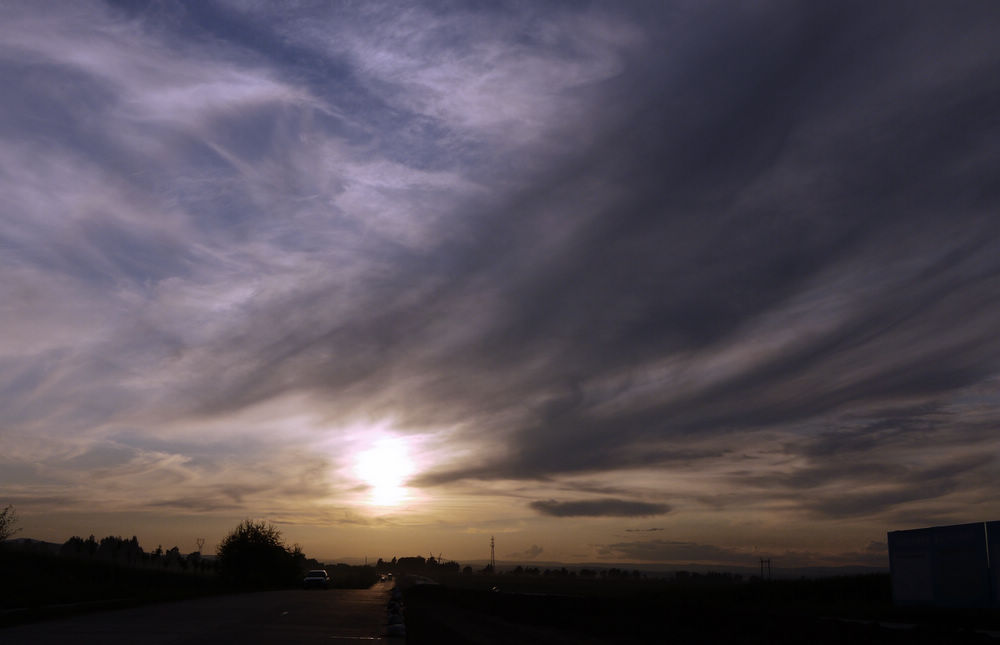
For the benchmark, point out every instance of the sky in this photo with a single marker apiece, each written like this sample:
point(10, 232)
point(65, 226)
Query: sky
point(651, 282)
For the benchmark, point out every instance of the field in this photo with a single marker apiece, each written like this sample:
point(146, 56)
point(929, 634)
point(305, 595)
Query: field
point(854, 609)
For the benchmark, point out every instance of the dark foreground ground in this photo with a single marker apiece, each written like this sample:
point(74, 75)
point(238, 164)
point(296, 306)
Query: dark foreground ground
point(292, 616)
point(466, 610)
point(847, 611)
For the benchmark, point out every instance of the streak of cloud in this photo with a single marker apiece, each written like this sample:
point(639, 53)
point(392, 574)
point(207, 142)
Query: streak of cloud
point(671, 551)
point(599, 508)
point(731, 259)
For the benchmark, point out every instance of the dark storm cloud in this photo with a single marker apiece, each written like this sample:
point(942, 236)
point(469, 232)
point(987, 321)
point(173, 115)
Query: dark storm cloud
point(599, 508)
point(601, 239)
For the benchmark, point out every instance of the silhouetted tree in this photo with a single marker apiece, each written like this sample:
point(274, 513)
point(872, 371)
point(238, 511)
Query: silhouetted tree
point(77, 547)
point(8, 518)
point(172, 559)
point(72, 547)
point(118, 549)
point(413, 563)
point(253, 554)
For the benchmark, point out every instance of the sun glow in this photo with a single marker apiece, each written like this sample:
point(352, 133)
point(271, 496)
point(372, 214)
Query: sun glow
point(385, 468)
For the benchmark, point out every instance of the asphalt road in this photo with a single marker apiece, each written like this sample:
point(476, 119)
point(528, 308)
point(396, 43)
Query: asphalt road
point(295, 616)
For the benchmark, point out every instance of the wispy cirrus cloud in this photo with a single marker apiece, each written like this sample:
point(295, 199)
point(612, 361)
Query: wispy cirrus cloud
point(639, 251)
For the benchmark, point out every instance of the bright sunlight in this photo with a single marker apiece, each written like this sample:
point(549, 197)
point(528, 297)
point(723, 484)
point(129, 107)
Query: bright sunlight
point(385, 468)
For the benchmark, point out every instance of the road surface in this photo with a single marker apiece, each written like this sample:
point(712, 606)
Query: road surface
point(335, 616)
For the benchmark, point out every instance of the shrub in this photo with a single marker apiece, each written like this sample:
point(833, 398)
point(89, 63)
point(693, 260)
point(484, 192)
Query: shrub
point(7, 520)
point(254, 555)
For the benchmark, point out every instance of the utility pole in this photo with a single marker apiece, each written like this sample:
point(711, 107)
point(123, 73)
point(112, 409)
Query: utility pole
point(201, 543)
point(766, 561)
point(493, 555)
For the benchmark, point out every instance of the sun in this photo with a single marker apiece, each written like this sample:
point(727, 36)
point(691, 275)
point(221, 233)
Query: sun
point(385, 467)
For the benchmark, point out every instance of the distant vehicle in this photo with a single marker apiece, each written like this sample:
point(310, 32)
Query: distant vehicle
point(318, 578)
point(382, 578)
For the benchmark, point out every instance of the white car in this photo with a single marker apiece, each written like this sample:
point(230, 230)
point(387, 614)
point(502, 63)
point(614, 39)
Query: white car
point(317, 578)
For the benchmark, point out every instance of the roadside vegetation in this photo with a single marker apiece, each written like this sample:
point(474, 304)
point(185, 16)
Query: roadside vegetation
point(253, 555)
point(42, 583)
point(43, 580)
point(8, 521)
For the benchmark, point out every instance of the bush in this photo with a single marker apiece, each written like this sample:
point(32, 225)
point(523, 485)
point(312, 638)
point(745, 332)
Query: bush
point(253, 555)
point(7, 520)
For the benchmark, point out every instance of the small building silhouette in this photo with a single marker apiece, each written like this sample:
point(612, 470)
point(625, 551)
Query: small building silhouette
point(946, 566)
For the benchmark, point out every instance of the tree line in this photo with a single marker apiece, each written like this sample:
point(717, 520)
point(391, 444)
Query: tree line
point(119, 550)
point(252, 555)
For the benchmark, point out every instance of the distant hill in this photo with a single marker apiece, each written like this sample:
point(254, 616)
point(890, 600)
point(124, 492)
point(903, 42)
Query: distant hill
point(666, 570)
point(29, 544)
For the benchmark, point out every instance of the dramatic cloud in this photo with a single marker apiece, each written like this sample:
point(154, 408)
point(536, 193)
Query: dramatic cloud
point(740, 263)
point(599, 508)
